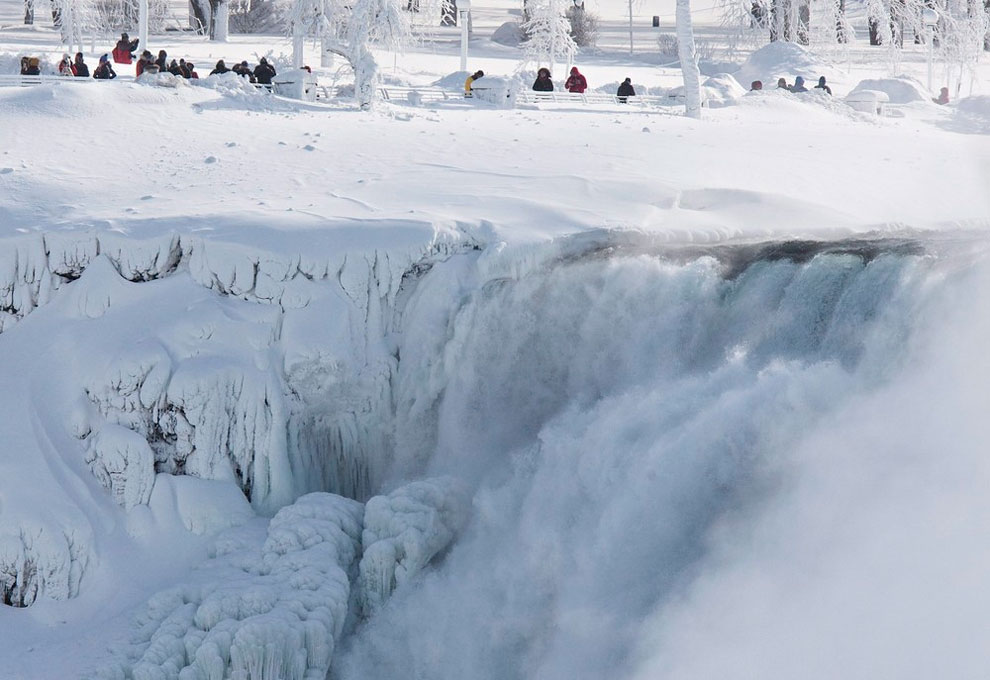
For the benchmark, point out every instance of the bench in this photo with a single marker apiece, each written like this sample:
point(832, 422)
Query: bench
point(868, 101)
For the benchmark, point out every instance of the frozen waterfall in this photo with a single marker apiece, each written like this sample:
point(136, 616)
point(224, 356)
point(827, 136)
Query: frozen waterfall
point(607, 456)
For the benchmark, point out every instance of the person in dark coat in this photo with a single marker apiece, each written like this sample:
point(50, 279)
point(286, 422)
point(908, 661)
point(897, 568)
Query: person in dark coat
point(175, 69)
point(625, 91)
point(191, 71)
point(822, 86)
point(33, 67)
point(162, 61)
point(104, 71)
point(79, 67)
point(543, 83)
point(264, 72)
point(576, 82)
point(124, 51)
point(24, 65)
point(798, 85)
point(220, 68)
point(244, 70)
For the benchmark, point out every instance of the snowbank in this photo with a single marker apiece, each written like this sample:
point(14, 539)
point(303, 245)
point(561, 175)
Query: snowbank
point(782, 60)
point(901, 90)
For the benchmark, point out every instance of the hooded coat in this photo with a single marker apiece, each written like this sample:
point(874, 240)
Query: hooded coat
point(576, 82)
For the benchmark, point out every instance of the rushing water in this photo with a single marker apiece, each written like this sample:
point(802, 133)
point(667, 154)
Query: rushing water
point(760, 462)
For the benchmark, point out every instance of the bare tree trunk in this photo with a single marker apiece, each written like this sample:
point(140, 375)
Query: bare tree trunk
point(689, 62)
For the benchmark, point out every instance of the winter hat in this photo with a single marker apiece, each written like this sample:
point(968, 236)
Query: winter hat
point(574, 71)
point(821, 80)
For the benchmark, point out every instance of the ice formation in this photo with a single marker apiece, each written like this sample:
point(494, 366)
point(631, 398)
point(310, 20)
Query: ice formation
point(404, 530)
point(256, 611)
point(214, 360)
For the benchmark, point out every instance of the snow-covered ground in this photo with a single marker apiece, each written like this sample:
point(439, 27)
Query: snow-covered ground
point(609, 392)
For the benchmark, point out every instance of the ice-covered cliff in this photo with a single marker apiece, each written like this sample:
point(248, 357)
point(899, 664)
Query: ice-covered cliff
point(522, 459)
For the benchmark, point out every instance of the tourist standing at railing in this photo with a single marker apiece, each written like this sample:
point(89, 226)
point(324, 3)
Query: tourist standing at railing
point(264, 72)
point(146, 64)
point(543, 83)
point(79, 67)
point(124, 51)
point(469, 83)
point(625, 91)
point(65, 66)
point(220, 69)
point(104, 71)
point(33, 67)
point(576, 82)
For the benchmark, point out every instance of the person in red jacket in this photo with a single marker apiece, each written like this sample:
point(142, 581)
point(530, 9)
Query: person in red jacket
point(576, 82)
point(124, 50)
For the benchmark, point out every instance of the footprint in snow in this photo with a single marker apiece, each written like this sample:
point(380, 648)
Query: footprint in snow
point(210, 159)
point(6, 171)
point(309, 147)
point(147, 198)
point(230, 144)
point(646, 129)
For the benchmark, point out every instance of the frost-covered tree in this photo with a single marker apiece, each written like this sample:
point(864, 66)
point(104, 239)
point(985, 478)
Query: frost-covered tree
point(548, 33)
point(350, 31)
point(689, 60)
point(214, 17)
point(71, 17)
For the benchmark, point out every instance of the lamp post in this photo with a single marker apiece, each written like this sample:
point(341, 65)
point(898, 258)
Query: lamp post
point(464, 12)
point(929, 18)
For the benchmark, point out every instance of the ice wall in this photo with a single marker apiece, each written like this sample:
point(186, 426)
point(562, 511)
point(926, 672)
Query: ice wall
point(186, 356)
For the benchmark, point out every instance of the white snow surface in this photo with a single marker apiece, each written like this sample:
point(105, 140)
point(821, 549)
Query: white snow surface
point(553, 392)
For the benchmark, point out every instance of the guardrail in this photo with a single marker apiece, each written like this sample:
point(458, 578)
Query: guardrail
point(589, 98)
point(27, 81)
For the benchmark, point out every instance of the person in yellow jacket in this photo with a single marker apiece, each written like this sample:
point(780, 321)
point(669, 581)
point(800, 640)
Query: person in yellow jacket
point(467, 83)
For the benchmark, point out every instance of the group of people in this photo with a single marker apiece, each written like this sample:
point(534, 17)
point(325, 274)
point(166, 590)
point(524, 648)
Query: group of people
point(123, 53)
point(262, 74)
point(576, 82)
point(797, 87)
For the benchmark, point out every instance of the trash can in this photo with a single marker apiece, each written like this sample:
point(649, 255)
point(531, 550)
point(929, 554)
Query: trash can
point(656, 21)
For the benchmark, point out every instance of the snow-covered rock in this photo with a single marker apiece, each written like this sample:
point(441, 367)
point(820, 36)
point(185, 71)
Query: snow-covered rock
point(404, 530)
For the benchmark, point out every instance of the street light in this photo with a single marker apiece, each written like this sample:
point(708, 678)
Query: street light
point(929, 18)
point(464, 10)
